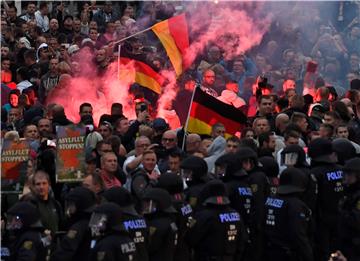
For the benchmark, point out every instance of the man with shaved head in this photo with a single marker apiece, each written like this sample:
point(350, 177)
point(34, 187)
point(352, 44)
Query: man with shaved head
point(281, 122)
point(169, 146)
point(58, 116)
point(193, 142)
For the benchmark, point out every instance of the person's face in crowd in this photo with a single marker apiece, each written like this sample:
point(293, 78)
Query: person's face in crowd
point(205, 144)
point(31, 9)
point(129, 11)
point(109, 163)
point(138, 108)
point(123, 126)
point(44, 53)
point(110, 28)
point(324, 132)
point(24, 28)
point(232, 86)
point(190, 85)
point(101, 55)
point(54, 25)
point(169, 140)
point(42, 186)
point(262, 126)
point(68, 23)
point(14, 100)
point(174, 164)
point(289, 84)
point(53, 65)
point(93, 25)
point(11, 13)
point(218, 131)
point(141, 145)
point(149, 161)
point(303, 124)
point(342, 132)
point(105, 148)
point(289, 57)
point(209, 78)
point(290, 93)
point(31, 96)
point(260, 61)
point(238, 67)
point(90, 184)
point(76, 25)
point(14, 115)
point(5, 65)
point(328, 119)
point(86, 110)
point(249, 135)
point(29, 168)
point(31, 132)
point(272, 143)
point(93, 34)
point(44, 126)
point(116, 111)
point(292, 141)
point(5, 51)
point(214, 54)
point(231, 146)
point(108, 8)
point(104, 131)
point(192, 144)
point(23, 100)
point(45, 10)
point(266, 106)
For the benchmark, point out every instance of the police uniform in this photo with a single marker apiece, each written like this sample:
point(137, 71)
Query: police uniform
point(349, 225)
point(287, 221)
point(25, 243)
point(132, 221)
point(75, 244)
point(217, 232)
point(111, 241)
point(330, 190)
point(271, 169)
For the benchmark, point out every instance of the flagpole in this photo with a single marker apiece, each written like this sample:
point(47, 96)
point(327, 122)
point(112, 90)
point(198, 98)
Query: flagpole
point(188, 116)
point(119, 50)
point(135, 34)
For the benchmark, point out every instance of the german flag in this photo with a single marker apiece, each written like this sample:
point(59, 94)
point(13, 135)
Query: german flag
point(173, 34)
point(206, 110)
point(145, 75)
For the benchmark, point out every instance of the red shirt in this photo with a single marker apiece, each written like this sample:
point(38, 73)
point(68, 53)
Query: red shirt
point(110, 180)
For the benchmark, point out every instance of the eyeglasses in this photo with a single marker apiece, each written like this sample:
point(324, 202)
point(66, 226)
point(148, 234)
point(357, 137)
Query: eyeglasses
point(167, 140)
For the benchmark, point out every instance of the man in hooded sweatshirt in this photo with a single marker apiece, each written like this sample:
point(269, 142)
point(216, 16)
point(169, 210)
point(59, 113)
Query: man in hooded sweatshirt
point(229, 95)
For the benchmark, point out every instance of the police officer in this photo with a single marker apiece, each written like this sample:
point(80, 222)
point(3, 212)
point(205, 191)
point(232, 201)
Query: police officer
point(132, 221)
point(344, 150)
point(25, 238)
point(79, 204)
point(349, 229)
point(174, 185)
point(329, 176)
point(271, 169)
point(111, 241)
point(217, 232)
point(160, 217)
point(140, 181)
point(288, 220)
point(260, 189)
point(194, 171)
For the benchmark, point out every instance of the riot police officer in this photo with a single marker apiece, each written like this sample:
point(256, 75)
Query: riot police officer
point(111, 241)
point(174, 185)
point(194, 171)
point(349, 229)
point(287, 220)
point(79, 204)
point(329, 176)
point(132, 221)
point(25, 238)
point(344, 150)
point(271, 169)
point(160, 217)
point(217, 232)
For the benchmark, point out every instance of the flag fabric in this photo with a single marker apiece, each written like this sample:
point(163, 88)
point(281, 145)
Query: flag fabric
point(145, 75)
point(206, 110)
point(173, 34)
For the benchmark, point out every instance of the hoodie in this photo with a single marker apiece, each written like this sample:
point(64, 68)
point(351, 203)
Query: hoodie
point(230, 97)
point(216, 149)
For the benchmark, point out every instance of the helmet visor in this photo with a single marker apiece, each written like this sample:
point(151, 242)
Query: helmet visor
point(220, 171)
point(70, 208)
point(97, 224)
point(14, 223)
point(290, 159)
point(149, 206)
point(187, 174)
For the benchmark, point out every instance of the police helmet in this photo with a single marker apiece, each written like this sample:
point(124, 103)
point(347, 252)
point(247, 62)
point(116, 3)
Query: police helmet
point(270, 166)
point(294, 155)
point(320, 150)
point(344, 150)
point(231, 164)
point(122, 198)
point(80, 199)
point(23, 215)
point(171, 182)
point(353, 166)
point(197, 166)
point(214, 193)
point(292, 180)
point(245, 153)
point(159, 200)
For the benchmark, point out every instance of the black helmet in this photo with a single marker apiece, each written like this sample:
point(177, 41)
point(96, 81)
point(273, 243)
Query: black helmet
point(23, 215)
point(231, 164)
point(171, 182)
point(353, 165)
point(196, 165)
point(80, 199)
point(344, 150)
point(106, 217)
point(214, 193)
point(270, 166)
point(320, 150)
point(160, 200)
point(247, 153)
point(294, 153)
point(122, 198)
point(292, 180)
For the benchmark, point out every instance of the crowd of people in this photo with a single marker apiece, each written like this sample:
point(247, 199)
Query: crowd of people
point(285, 187)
